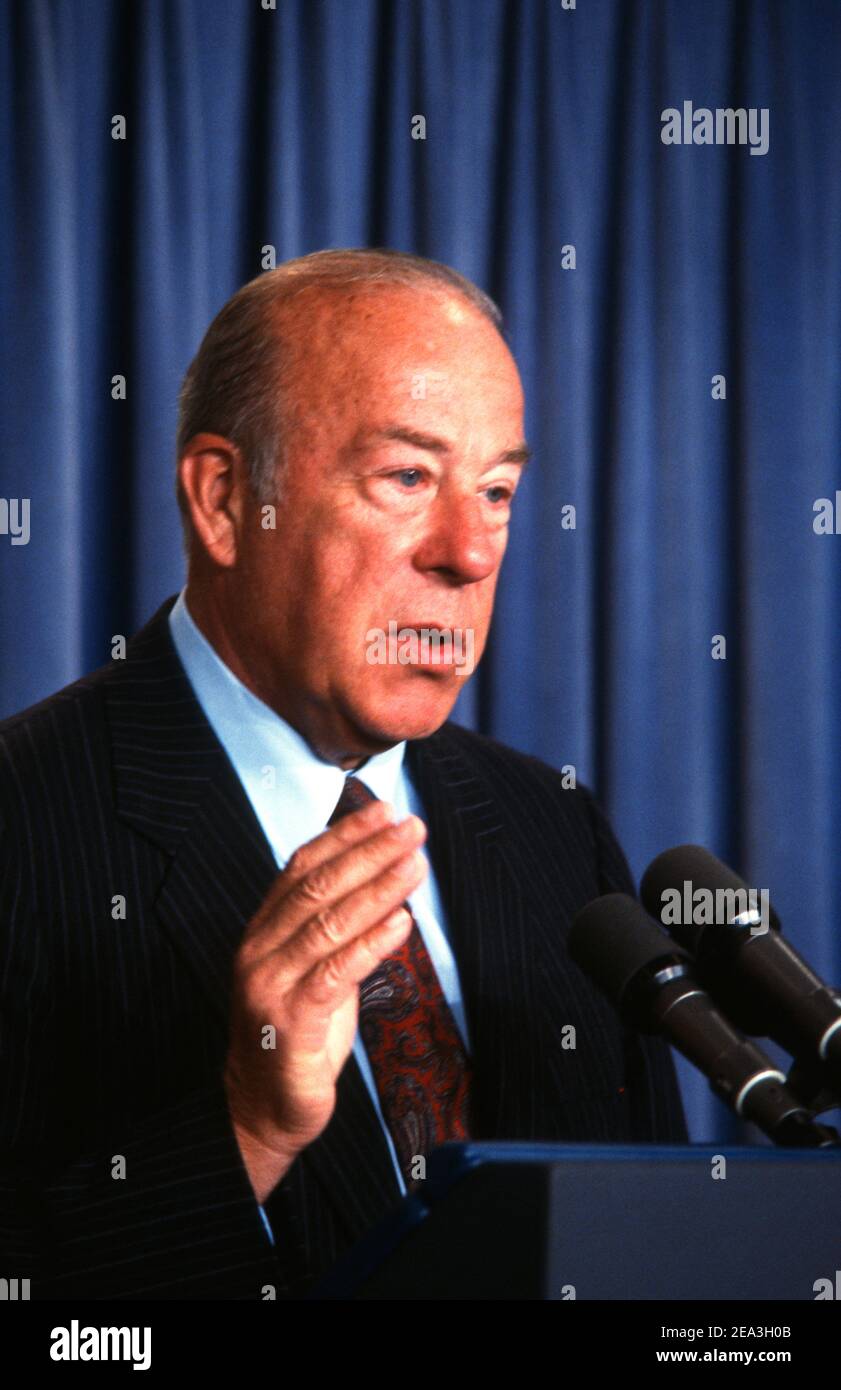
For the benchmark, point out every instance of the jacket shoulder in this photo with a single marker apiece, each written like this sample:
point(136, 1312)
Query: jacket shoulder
point(53, 718)
point(540, 801)
point(508, 767)
point(58, 706)
point(54, 766)
point(40, 743)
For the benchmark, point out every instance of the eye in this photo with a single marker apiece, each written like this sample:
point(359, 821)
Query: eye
point(499, 492)
point(408, 476)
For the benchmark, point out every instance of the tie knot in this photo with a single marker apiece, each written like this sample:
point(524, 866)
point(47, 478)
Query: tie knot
point(354, 796)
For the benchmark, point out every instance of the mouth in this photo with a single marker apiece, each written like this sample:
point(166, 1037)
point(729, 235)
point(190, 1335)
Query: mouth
point(428, 647)
point(435, 644)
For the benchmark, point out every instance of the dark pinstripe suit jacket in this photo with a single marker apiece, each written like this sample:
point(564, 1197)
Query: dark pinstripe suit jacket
point(120, 1173)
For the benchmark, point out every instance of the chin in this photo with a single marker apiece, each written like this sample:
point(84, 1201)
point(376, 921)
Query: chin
point(411, 714)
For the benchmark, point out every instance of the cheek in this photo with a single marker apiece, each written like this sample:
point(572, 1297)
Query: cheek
point(342, 600)
point(369, 579)
point(479, 601)
point(349, 562)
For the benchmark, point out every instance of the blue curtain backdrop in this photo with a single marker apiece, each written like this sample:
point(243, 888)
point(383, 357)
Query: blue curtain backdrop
point(292, 127)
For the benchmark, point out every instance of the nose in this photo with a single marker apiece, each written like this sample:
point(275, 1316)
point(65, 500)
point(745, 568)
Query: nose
point(462, 543)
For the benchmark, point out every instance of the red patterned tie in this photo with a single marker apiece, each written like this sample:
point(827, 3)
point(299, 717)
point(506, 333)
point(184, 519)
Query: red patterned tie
point(420, 1067)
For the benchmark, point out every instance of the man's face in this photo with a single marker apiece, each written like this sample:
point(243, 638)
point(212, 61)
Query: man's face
point(401, 466)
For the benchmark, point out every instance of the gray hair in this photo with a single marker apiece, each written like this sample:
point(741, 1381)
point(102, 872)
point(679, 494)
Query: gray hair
point(234, 385)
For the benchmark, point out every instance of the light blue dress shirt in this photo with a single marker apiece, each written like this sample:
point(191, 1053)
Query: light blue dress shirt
point(294, 794)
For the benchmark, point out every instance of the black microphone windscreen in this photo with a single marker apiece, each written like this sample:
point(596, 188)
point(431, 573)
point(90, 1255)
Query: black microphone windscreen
point(692, 865)
point(613, 938)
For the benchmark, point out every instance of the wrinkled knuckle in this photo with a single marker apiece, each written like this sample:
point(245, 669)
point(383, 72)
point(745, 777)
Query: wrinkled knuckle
point(370, 955)
point(315, 888)
point(329, 975)
point(328, 927)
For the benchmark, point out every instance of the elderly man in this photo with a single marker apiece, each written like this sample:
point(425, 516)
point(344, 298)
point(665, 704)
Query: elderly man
point(273, 927)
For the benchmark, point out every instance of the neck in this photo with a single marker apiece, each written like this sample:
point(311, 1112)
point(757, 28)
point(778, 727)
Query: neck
point(209, 617)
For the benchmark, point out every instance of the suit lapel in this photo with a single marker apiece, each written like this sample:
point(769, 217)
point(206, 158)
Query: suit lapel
point(176, 786)
point(485, 914)
point(508, 910)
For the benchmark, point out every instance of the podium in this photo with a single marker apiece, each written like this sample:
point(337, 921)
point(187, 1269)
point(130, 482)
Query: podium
point(549, 1221)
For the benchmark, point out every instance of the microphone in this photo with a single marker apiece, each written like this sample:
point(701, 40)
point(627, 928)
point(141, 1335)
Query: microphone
point(756, 976)
point(648, 978)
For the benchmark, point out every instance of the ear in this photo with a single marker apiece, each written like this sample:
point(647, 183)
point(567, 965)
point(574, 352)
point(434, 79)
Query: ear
point(214, 485)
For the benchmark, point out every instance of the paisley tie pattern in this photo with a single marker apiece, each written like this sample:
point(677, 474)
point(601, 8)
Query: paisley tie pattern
point(420, 1066)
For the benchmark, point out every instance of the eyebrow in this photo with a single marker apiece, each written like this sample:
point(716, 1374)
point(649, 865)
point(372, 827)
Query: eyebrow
point(433, 445)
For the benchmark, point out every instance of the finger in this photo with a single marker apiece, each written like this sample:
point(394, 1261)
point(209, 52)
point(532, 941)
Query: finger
point(350, 830)
point(325, 886)
point(333, 978)
point(329, 931)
